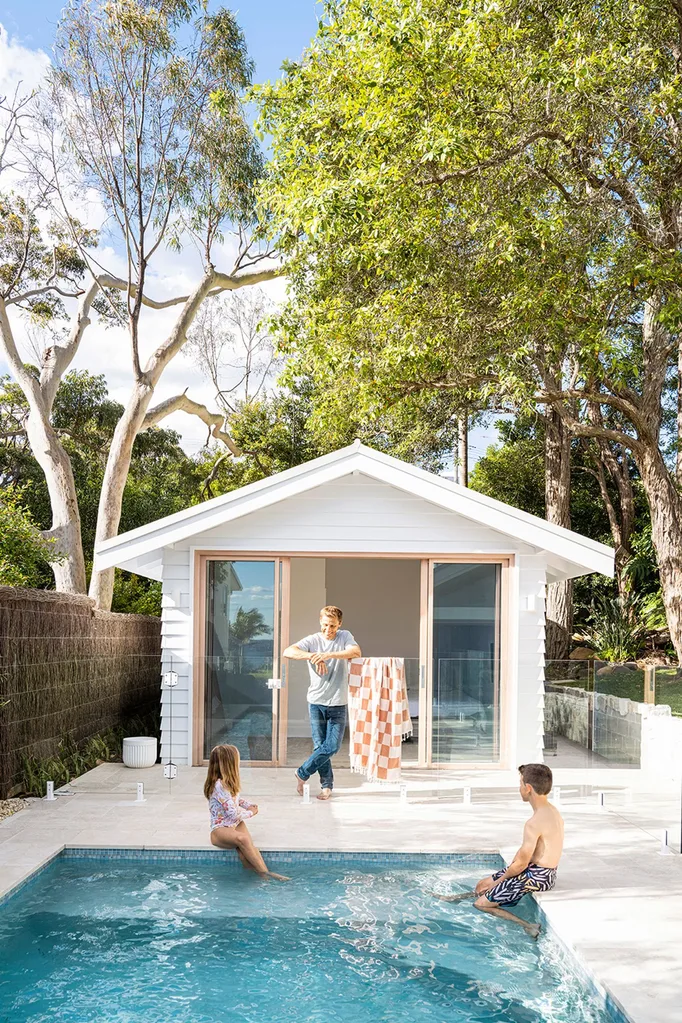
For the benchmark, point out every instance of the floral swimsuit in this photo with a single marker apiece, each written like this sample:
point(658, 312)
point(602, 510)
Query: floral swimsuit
point(226, 810)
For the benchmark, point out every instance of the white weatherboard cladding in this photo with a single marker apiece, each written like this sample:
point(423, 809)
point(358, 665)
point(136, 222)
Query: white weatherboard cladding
point(357, 514)
point(176, 646)
point(527, 708)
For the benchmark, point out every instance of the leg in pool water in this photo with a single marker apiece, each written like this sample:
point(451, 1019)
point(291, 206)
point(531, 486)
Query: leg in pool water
point(490, 907)
point(459, 897)
point(240, 840)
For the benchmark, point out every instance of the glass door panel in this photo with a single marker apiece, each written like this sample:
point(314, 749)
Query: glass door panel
point(465, 663)
point(242, 626)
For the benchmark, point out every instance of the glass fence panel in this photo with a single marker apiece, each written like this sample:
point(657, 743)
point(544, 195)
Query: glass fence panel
point(465, 710)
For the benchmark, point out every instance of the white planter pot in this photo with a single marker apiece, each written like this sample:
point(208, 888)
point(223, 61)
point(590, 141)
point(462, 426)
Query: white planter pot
point(139, 751)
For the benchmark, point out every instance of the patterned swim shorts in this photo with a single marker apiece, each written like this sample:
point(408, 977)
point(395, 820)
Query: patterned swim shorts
point(532, 879)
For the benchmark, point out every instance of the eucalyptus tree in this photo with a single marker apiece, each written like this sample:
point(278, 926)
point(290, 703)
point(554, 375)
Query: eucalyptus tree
point(142, 117)
point(487, 200)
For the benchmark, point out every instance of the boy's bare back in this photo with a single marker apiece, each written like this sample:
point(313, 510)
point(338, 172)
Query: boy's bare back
point(546, 827)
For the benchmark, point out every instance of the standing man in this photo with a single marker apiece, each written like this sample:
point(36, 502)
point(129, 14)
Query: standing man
point(328, 653)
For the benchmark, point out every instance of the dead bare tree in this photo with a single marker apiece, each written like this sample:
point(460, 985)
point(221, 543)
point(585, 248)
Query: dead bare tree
point(231, 345)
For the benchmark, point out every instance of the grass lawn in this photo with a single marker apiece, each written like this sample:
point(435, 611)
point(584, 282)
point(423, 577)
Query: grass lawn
point(631, 686)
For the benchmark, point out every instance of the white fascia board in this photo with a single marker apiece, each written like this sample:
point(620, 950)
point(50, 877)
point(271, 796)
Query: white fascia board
point(584, 554)
point(244, 502)
point(587, 555)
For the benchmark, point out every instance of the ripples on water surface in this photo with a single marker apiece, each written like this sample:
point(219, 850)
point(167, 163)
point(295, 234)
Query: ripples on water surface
point(173, 943)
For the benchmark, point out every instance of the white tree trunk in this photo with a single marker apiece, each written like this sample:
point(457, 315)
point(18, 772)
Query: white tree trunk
point(113, 485)
point(133, 419)
point(69, 575)
point(46, 446)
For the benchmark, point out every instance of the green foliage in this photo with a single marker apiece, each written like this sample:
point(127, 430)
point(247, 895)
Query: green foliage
point(135, 595)
point(471, 200)
point(513, 473)
point(23, 551)
point(616, 630)
point(75, 758)
point(31, 254)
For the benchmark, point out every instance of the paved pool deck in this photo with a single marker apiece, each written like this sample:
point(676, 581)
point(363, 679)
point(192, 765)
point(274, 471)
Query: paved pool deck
point(618, 903)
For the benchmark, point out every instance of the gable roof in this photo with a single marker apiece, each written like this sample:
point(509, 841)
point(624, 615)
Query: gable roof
point(570, 553)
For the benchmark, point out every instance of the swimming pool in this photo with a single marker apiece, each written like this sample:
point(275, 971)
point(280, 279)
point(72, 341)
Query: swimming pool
point(129, 937)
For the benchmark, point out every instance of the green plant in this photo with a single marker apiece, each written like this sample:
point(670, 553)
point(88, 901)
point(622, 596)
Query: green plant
point(616, 629)
point(74, 758)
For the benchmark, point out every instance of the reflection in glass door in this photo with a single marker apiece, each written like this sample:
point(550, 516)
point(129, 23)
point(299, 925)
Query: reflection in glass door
point(465, 666)
point(242, 646)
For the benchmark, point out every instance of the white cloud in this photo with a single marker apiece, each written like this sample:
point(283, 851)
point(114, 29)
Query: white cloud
point(20, 66)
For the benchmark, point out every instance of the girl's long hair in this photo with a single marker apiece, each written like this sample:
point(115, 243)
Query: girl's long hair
point(223, 765)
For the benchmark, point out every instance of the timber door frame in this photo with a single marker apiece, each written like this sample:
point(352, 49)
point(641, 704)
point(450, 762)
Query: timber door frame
point(280, 641)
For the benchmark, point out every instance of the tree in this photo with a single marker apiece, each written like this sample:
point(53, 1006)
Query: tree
point(247, 625)
point(143, 111)
point(486, 201)
point(23, 550)
point(162, 478)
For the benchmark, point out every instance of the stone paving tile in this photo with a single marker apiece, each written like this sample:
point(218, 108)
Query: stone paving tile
point(618, 902)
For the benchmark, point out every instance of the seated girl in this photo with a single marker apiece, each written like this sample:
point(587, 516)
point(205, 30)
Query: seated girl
point(229, 810)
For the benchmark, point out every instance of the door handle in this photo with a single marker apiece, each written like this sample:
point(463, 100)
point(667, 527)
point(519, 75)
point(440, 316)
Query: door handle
point(274, 683)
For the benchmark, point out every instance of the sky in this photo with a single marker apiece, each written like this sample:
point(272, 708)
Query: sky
point(275, 30)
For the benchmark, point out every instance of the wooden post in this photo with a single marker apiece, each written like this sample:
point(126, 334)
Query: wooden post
point(650, 683)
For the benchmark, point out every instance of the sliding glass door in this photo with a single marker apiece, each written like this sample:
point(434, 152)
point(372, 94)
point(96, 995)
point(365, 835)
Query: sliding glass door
point(242, 684)
point(465, 613)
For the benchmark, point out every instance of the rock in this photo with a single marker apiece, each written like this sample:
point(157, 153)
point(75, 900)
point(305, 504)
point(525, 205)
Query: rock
point(582, 653)
point(11, 806)
point(608, 669)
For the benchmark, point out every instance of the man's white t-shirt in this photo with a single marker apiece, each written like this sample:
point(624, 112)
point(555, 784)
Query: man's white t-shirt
point(330, 690)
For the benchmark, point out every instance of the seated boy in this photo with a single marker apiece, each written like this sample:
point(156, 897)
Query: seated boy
point(534, 866)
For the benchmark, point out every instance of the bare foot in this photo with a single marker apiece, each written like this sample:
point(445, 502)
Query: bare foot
point(277, 877)
point(299, 784)
point(325, 794)
point(532, 930)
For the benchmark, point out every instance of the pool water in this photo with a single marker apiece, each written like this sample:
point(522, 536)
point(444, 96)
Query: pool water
point(116, 941)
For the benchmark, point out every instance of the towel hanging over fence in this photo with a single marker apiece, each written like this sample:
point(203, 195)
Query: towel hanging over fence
point(379, 716)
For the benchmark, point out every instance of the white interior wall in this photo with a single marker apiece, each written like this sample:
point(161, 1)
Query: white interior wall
point(380, 601)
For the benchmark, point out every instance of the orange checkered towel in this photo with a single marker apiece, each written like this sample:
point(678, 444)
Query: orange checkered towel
point(379, 716)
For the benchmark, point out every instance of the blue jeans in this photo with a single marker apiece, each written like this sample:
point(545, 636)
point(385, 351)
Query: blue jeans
point(327, 725)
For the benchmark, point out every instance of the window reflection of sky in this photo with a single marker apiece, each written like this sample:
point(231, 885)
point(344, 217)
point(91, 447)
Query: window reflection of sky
point(255, 588)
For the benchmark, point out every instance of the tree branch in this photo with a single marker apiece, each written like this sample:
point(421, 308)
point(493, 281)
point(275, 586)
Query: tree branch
point(495, 161)
point(108, 281)
point(181, 403)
